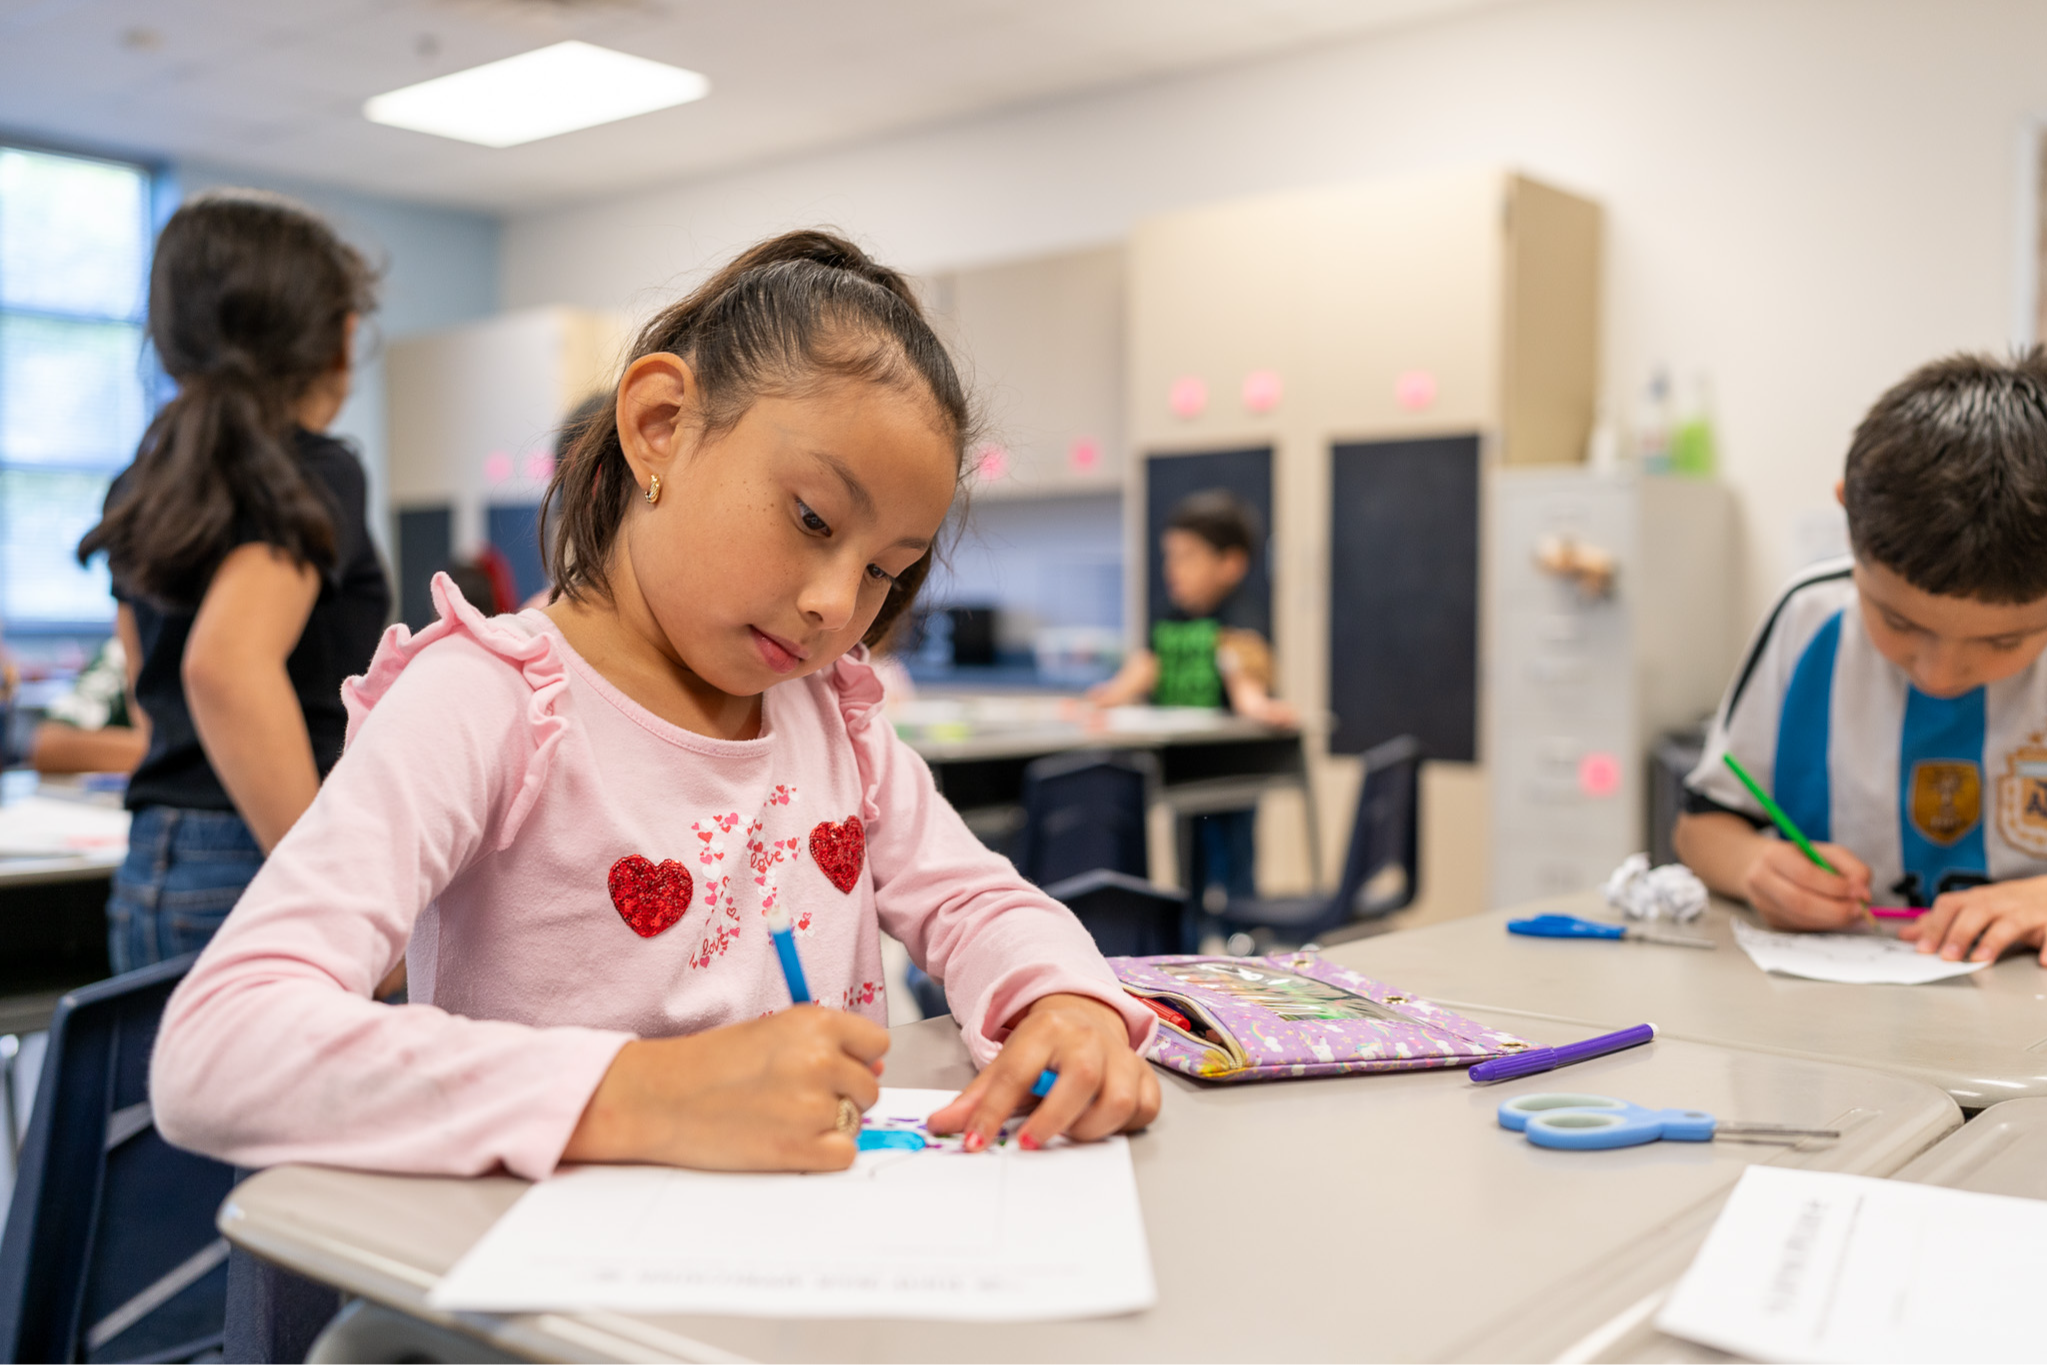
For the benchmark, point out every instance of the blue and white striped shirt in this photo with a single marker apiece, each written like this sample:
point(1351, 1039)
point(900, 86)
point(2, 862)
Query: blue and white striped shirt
point(1931, 792)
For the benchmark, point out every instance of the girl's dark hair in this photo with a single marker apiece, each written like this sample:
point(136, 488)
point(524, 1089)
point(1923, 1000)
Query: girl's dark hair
point(249, 300)
point(785, 315)
point(1946, 483)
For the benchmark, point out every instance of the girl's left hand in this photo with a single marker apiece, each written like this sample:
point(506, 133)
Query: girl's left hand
point(1103, 1087)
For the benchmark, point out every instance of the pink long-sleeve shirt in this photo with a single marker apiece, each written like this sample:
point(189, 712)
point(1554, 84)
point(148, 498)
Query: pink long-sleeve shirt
point(565, 871)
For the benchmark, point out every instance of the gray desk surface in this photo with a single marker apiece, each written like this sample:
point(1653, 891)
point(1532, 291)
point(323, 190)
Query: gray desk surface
point(1359, 1217)
point(1981, 1038)
point(2002, 1151)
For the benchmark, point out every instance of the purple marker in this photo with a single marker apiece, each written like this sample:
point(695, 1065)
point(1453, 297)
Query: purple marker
point(1550, 1058)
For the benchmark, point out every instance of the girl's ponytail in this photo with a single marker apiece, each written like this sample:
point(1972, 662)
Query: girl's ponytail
point(772, 320)
point(249, 302)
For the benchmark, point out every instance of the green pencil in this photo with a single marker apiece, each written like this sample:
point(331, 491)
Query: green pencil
point(1791, 831)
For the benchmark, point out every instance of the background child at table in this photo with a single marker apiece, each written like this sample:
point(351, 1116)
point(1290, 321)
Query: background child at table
point(574, 821)
point(1895, 703)
point(248, 584)
point(1199, 658)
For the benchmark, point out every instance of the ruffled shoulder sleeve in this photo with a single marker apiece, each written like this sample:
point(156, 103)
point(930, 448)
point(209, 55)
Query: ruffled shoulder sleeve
point(519, 644)
point(858, 690)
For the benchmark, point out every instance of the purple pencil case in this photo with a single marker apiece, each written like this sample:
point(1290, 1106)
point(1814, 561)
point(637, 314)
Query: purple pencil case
point(1268, 1018)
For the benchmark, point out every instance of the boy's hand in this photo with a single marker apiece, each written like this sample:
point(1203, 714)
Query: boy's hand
point(1791, 893)
point(1103, 1088)
point(1993, 918)
point(759, 1096)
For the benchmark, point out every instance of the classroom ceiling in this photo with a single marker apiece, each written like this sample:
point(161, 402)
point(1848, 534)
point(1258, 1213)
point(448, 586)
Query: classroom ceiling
point(279, 87)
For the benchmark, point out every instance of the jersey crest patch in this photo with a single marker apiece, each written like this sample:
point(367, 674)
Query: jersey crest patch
point(1947, 799)
point(2022, 798)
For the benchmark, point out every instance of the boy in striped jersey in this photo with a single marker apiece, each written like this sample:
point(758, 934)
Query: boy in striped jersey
point(1895, 702)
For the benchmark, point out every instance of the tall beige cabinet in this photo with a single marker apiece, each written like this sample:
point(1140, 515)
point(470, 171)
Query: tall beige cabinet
point(1377, 349)
point(473, 414)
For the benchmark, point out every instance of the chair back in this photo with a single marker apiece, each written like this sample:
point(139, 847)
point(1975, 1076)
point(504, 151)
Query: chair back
point(1084, 812)
point(1127, 916)
point(110, 1250)
point(1382, 870)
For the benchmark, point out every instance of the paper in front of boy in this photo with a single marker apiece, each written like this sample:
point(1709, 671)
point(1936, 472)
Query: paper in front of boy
point(999, 1235)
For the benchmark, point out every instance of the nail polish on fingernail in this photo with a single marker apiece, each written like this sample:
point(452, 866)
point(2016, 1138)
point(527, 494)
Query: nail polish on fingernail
point(1027, 1142)
point(974, 1142)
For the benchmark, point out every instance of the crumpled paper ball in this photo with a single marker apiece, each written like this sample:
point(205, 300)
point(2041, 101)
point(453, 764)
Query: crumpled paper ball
point(1670, 892)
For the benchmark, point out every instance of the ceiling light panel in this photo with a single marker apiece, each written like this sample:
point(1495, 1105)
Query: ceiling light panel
point(543, 93)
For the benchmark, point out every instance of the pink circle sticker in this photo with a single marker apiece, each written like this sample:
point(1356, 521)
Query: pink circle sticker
point(991, 462)
point(539, 467)
point(1415, 390)
point(1189, 396)
point(1599, 774)
point(1084, 454)
point(497, 466)
point(1261, 390)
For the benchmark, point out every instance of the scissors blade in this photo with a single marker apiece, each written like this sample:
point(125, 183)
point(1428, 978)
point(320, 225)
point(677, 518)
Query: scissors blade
point(1674, 940)
point(1772, 1133)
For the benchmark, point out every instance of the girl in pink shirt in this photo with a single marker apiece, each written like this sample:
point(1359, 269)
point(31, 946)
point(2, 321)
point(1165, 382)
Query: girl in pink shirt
point(571, 822)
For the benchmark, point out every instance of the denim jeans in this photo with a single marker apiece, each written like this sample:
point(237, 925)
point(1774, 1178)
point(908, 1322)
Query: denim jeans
point(1227, 858)
point(185, 871)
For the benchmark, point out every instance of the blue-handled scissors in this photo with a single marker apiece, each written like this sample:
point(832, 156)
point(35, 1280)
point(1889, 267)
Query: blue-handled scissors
point(1570, 926)
point(1590, 1123)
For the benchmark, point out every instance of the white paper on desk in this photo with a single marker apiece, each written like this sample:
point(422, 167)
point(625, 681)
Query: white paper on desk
point(1808, 1265)
point(38, 827)
point(1856, 959)
point(1002, 1235)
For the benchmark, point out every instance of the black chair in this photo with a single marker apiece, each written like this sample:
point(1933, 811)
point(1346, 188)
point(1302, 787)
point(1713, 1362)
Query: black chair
point(1381, 872)
point(1084, 812)
point(1128, 916)
point(110, 1251)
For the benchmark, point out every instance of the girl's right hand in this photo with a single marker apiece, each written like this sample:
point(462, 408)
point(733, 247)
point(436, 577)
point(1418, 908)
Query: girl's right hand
point(1789, 892)
point(760, 1096)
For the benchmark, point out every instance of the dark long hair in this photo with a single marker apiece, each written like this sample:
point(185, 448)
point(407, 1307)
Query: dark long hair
point(249, 300)
point(784, 314)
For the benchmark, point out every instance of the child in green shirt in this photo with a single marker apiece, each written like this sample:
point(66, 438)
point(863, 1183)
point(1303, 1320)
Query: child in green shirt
point(1196, 660)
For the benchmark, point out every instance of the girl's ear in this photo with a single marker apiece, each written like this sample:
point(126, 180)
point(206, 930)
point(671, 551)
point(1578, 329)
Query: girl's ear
point(656, 400)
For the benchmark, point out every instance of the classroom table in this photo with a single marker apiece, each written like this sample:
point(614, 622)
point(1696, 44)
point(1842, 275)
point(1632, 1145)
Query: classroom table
point(1982, 1038)
point(1207, 761)
point(2002, 1150)
point(1355, 1217)
point(53, 907)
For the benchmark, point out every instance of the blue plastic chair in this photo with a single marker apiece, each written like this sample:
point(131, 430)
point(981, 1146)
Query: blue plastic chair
point(110, 1251)
point(1381, 871)
point(1083, 812)
point(1127, 917)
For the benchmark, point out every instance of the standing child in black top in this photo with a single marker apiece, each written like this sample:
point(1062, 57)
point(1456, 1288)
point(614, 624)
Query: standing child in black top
point(240, 553)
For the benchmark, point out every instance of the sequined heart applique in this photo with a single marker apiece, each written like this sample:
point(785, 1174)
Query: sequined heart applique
point(840, 851)
point(650, 898)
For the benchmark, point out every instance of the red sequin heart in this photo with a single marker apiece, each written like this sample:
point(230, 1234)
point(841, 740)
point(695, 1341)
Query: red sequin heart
point(650, 898)
point(840, 850)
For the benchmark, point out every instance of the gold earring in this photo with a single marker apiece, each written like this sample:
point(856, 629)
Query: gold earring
point(653, 489)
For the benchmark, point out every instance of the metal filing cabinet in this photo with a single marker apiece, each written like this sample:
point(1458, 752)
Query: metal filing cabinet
point(1580, 683)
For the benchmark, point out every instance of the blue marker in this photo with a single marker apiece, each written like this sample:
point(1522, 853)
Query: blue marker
point(785, 948)
point(1046, 1080)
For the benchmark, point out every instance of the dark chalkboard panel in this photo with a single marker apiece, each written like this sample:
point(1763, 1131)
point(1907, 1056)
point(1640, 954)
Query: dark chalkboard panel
point(514, 528)
point(426, 542)
point(1403, 595)
point(1169, 478)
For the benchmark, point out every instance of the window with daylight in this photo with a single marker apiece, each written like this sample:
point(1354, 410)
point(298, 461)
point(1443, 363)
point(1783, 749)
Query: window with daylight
point(75, 390)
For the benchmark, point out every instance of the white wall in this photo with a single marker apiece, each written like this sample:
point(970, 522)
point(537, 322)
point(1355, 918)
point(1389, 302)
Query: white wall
point(1806, 197)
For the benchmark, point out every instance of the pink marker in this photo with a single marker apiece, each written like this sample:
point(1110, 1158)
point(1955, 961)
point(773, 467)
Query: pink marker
point(1897, 911)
